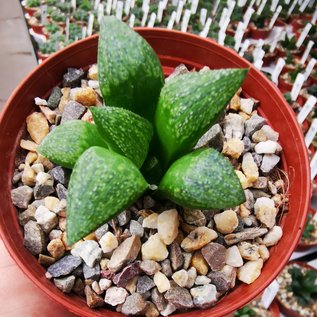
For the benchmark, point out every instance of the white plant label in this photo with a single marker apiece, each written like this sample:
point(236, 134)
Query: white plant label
point(297, 86)
point(274, 5)
point(275, 16)
point(307, 108)
point(43, 13)
point(307, 51)
point(108, 7)
point(258, 64)
point(261, 7)
point(194, 6)
point(314, 18)
point(145, 3)
point(242, 3)
point(258, 54)
point(165, 2)
point(215, 8)
point(185, 21)
point(223, 17)
point(303, 35)
point(290, 10)
point(84, 32)
point(131, 21)
point(73, 4)
point(309, 137)
point(67, 29)
point(100, 12)
point(205, 31)
point(127, 7)
point(179, 11)
point(221, 36)
point(303, 6)
point(171, 21)
point(114, 4)
point(96, 4)
point(145, 14)
point(238, 36)
point(252, 3)
point(244, 47)
point(160, 10)
point(257, 2)
point(119, 10)
point(277, 70)
point(313, 167)
point(247, 17)
point(174, 3)
point(310, 67)
point(287, 1)
point(231, 8)
point(203, 16)
point(152, 20)
point(90, 24)
point(273, 44)
point(132, 4)
point(269, 294)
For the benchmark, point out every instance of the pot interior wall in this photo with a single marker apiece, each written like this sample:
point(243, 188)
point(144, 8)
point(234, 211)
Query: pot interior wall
point(173, 48)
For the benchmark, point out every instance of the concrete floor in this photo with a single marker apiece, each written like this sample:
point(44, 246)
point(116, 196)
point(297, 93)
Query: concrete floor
point(17, 57)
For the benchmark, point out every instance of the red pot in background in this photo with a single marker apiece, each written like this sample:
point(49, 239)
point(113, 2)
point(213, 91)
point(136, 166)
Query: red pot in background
point(41, 56)
point(274, 309)
point(257, 34)
point(280, 23)
point(269, 58)
point(30, 11)
point(38, 28)
point(284, 310)
point(304, 246)
point(173, 48)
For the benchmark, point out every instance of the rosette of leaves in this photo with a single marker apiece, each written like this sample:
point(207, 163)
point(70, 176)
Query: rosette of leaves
point(144, 124)
point(32, 3)
point(80, 15)
point(303, 285)
point(58, 16)
point(246, 311)
point(289, 43)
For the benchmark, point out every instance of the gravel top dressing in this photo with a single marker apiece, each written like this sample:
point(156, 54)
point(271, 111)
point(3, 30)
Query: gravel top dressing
point(169, 239)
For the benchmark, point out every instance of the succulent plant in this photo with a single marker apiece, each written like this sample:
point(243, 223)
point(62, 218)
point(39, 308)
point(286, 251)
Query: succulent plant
point(145, 124)
point(246, 311)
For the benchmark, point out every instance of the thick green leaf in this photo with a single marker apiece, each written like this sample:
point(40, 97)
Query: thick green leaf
point(103, 183)
point(130, 74)
point(65, 143)
point(202, 179)
point(190, 104)
point(126, 132)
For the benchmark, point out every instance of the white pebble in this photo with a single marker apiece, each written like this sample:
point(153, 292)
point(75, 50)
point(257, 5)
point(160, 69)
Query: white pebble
point(202, 280)
point(266, 147)
point(108, 242)
point(161, 281)
point(40, 102)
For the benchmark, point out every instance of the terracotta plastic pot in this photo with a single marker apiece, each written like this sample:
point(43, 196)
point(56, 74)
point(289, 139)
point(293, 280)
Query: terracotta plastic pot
point(41, 56)
point(173, 48)
point(304, 246)
point(284, 310)
point(38, 28)
point(257, 34)
point(274, 309)
point(269, 58)
point(30, 11)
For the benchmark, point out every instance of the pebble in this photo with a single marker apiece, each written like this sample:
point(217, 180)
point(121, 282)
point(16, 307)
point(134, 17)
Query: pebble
point(187, 260)
point(180, 278)
point(46, 219)
point(92, 299)
point(233, 126)
point(179, 70)
point(247, 144)
point(64, 266)
point(150, 221)
point(91, 273)
point(116, 295)
point(134, 305)
point(220, 280)
point(64, 100)
point(266, 147)
point(250, 168)
point(89, 251)
point(226, 221)
point(56, 248)
point(176, 256)
point(235, 102)
point(136, 228)
point(233, 257)
point(44, 185)
point(264, 252)
point(124, 217)
point(28, 145)
point(27, 215)
point(202, 280)
point(270, 133)
point(127, 252)
point(246, 234)
point(169, 309)
point(179, 297)
point(51, 202)
point(73, 111)
point(96, 288)
point(161, 281)
point(167, 226)
point(199, 263)
point(166, 268)
point(204, 296)
point(101, 231)
point(28, 176)
point(260, 183)
point(104, 284)
point(269, 161)
point(21, 196)
point(273, 236)
point(55, 234)
point(249, 251)
point(194, 217)
point(37, 126)
point(265, 211)
point(158, 299)
point(61, 191)
point(215, 255)
point(212, 138)
point(130, 271)
point(34, 238)
point(250, 271)
point(73, 77)
point(60, 175)
point(54, 98)
point(108, 242)
point(93, 72)
point(150, 267)
point(233, 147)
point(85, 96)
point(154, 249)
point(40, 102)
point(65, 284)
point(46, 260)
point(151, 310)
point(253, 124)
point(192, 275)
point(60, 208)
point(243, 180)
point(198, 238)
point(246, 105)
point(144, 284)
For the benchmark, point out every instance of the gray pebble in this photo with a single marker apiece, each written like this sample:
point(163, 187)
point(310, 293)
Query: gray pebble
point(257, 158)
point(212, 138)
point(73, 111)
point(148, 202)
point(144, 284)
point(91, 273)
point(124, 217)
point(101, 231)
point(60, 175)
point(65, 284)
point(34, 238)
point(255, 123)
point(166, 268)
point(134, 304)
point(21, 196)
point(61, 191)
point(64, 266)
point(27, 215)
point(136, 228)
point(54, 98)
point(73, 77)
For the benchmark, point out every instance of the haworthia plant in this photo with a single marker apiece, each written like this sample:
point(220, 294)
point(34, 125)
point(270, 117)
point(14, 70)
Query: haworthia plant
point(106, 178)
point(102, 184)
point(130, 74)
point(126, 132)
point(191, 103)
